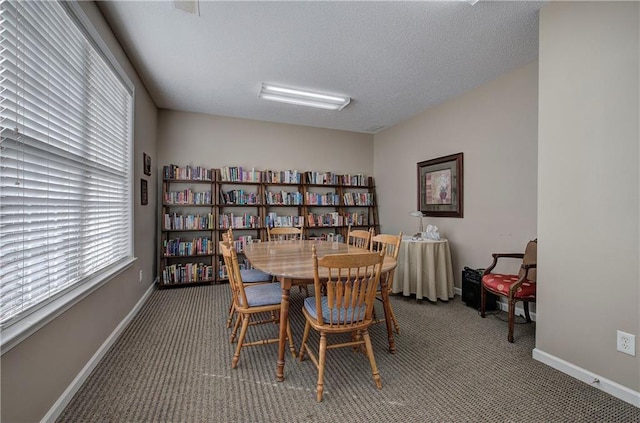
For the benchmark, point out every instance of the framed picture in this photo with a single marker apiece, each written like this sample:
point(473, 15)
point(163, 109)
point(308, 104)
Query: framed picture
point(144, 192)
point(146, 160)
point(440, 186)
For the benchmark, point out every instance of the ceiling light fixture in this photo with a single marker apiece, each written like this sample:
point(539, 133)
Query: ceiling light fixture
point(303, 98)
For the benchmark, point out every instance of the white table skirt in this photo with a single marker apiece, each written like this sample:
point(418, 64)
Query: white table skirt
point(424, 268)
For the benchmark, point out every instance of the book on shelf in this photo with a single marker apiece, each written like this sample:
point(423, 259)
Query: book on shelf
point(325, 220)
point(238, 221)
point(187, 197)
point(190, 222)
point(187, 272)
point(238, 174)
point(194, 173)
point(239, 197)
point(176, 247)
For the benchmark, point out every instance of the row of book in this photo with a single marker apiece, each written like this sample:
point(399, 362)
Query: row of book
point(356, 219)
point(240, 174)
point(321, 178)
point(317, 199)
point(358, 180)
point(357, 199)
point(242, 241)
point(272, 220)
point(179, 248)
point(187, 197)
point(336, 219)
point(238, 221)
point(284, 198)
point(239, 197)
point(188, 222)
point(194, 173)
point(281, 176)
point(327, 219)
point(177, 222)
point(187, 272)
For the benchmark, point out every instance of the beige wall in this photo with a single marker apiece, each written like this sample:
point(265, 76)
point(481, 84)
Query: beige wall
point(217, 141)
point(38, 370)
point(588, 214)
point(495, 126)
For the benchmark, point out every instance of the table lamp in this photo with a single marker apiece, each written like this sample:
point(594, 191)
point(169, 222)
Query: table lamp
point(418, 214)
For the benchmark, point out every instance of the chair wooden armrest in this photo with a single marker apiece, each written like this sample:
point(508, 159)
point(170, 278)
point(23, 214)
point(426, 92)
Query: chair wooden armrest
point(497, 256)
point(523, 278)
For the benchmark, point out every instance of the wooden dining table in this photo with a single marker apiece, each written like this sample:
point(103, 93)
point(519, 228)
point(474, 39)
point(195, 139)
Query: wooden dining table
point(292, 263)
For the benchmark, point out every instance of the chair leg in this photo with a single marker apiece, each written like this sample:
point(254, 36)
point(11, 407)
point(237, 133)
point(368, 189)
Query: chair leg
point(483, 299)
point(322, 354)
point(234, 332)
point(243, 333)
point(230, 314)
point(394, 320)
point(305, 337)
point(512, 318)
point(372, 360)
point(527, 316)
point(292, 347)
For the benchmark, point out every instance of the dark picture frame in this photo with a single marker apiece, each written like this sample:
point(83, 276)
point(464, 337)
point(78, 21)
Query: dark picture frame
point(146, 161)
point(440, 186)
point(144, 192)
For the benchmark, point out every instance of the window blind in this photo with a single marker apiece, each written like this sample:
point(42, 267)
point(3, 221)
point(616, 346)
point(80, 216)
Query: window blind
point(65, 154)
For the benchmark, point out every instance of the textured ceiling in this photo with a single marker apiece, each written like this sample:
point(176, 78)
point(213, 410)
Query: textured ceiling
point(394, 59)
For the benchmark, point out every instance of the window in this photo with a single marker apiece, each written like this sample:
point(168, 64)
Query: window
point(65, 159)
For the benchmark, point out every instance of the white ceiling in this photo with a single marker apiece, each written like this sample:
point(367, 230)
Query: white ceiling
point(394, 59)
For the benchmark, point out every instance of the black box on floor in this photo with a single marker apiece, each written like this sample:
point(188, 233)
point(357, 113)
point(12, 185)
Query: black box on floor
point(471, 290)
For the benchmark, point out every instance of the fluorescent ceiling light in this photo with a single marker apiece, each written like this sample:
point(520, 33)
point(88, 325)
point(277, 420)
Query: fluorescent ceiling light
point(303, 98)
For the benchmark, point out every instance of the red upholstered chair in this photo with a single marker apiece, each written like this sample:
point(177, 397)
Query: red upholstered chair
point(520, 287)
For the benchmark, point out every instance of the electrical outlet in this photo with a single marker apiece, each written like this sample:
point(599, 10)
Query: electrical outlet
point(141, 276)
point(627, 343)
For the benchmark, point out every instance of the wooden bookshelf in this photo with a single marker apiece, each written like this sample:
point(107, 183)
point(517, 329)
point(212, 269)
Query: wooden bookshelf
point(199, 205)
point(188, 233)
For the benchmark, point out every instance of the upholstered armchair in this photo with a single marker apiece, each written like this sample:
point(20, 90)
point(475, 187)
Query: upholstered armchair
point(520, 287)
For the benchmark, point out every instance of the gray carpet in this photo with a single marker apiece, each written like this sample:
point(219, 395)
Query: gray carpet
point(173, 364)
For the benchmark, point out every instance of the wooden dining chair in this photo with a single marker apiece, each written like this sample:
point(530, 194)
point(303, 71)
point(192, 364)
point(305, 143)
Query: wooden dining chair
point(359, 237)
point(248, 276)
point(251, 300)
point(284, 233)
point(345, 305)
point(389, 245)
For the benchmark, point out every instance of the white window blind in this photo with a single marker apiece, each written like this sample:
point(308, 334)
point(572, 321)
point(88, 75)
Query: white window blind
point(65, 155)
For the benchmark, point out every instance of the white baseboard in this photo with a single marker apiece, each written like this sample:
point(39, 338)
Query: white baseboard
point(597, 381)
point(57, 408)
